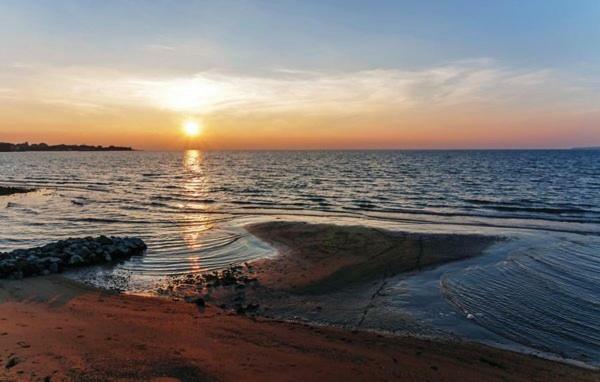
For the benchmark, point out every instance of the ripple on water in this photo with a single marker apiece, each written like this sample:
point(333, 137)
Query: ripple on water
point(205, 251)
point(546, 297)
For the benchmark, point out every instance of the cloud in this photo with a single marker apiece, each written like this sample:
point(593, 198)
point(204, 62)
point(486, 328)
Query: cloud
point(159, 47)
point(479, 82)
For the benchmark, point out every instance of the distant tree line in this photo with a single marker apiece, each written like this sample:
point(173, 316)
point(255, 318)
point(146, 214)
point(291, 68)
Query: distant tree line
point(9, 147)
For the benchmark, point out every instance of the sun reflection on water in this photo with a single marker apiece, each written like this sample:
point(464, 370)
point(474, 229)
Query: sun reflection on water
point(196, 225)
point(193, 233)
point(192, 160)
point(195, 183)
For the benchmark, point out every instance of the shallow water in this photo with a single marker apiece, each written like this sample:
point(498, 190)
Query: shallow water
point(190, 208)
point(545, 295)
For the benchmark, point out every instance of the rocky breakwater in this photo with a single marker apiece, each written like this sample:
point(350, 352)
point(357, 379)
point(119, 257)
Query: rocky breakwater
point(58, 256)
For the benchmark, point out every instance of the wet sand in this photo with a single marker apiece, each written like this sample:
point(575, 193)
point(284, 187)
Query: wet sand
point(51, 327)
point(336, 275)
point(321, 258)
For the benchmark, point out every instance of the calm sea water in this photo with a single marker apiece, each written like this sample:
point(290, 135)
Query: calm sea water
point(190, 208)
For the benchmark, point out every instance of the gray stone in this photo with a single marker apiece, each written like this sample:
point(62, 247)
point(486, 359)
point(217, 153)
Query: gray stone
point(85, 252)
point(105, 240)
point(122, 249)
point(53, 268)
point(76, 260)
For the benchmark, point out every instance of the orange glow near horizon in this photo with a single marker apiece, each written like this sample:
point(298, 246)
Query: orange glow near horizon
point(370, 110)
point(300, 132)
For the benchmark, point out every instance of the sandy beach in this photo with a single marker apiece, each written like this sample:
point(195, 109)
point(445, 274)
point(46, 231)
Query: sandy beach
point(339, 190)
point(56, 329)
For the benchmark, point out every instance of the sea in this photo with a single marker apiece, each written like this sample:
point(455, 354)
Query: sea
point(538, 290)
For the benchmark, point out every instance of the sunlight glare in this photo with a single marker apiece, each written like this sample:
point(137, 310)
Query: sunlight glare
point(192, 128)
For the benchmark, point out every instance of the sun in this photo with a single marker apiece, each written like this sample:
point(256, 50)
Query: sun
point(192, 128)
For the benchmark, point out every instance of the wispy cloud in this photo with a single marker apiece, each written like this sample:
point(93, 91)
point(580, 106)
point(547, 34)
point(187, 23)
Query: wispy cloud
point(482, 82)
point(159, 47)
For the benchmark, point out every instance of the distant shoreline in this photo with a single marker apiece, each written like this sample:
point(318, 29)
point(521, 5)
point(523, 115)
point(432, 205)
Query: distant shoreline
point(42, 147)
point(26, 147)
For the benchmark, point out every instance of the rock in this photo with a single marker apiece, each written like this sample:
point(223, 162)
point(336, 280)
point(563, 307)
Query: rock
point(53, 268)
point(196, 300)
point(51, 259)
point(122, 249)
point(50, 264)
point(249, 308)
point(105, 240)
point(12, 361)
point(32, 259)
point(252, 307)
point(76, 260)
point(239, 309)
point(85, 252)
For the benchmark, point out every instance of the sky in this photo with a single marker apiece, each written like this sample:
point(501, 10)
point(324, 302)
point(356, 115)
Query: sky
point(301, 74)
